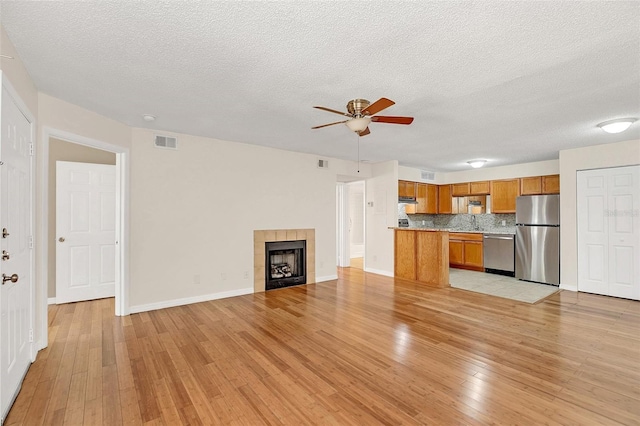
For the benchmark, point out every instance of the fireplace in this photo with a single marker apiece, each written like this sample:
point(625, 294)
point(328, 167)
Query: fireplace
point(285, 264)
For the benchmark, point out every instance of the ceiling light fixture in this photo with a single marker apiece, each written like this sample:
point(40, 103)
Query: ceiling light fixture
point(476, 163)
point(358, 124)
point(618, 125)
point(148, 117)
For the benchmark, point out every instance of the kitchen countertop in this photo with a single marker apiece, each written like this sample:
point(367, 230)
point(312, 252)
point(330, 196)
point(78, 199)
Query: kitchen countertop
point(506, 231)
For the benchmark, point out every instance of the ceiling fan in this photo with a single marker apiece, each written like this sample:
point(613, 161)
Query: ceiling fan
point(361, 113)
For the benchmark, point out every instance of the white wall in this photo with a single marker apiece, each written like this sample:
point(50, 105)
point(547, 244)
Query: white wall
point(539, 168)
point(382, 191)
point(17, 74)
point(571, 160)
point(356, 219)
point(194, 211)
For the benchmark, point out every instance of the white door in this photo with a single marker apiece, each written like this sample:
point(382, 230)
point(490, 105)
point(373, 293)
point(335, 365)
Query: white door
point(609, 231)
point(85, 231)
point(15, 224)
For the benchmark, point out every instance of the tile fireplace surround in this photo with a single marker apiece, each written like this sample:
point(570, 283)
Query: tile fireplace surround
point(271, 235)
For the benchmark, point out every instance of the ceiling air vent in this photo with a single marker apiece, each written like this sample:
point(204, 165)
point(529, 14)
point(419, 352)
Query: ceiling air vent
point(426, 175)
point(166, 142)
point(323, 164)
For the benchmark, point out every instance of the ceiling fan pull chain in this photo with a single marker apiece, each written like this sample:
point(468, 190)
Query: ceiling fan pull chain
point(358, 136)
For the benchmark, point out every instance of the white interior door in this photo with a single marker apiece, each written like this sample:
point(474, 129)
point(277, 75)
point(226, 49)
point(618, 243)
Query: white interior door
point(85, 231)
point(15, 222)
point(609, 231)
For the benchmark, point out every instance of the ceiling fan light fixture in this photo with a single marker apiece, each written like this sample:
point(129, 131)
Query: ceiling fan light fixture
point(476, 164)
point(618, 125)
point(358, 124)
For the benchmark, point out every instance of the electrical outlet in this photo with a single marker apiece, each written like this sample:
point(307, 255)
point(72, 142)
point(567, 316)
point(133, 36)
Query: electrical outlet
point(246, 275)
point(424, 222)
point(504, 223)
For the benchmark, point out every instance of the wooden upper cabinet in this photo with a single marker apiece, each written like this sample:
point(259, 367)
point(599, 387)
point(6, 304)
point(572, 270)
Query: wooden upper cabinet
point(444, 199)
point(427, 199)
point(460, 189)
point(535, 185)
point(479, 188)
point(406, 189)
point(531, 185)
point(551, 184)
point(503, 195)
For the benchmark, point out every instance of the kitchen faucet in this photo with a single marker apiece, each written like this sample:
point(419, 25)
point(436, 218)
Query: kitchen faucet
point(474, 222)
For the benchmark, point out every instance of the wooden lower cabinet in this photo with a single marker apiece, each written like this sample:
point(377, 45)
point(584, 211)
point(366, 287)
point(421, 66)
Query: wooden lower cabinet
point(405, 254)
point(465, 251)
point(423, 256)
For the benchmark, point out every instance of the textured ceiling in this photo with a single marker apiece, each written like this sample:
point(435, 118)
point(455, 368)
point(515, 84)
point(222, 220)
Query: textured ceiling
point(510, 82)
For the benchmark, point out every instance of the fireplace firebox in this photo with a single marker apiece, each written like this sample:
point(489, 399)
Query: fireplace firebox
point(285, 264)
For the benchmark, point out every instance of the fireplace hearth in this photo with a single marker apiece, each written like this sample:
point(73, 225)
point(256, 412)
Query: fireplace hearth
point(285, 264)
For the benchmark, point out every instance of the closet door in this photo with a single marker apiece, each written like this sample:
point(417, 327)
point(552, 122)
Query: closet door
point(609, 231)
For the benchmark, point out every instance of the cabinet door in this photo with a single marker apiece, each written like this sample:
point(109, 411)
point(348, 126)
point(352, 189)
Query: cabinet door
point(551, 184)
point(421, 198)
point(473, 254)
point(405, 254)
point(432, 199)
point(479, 188)
point(406, 188)
point(460, 189)
point(456, 252)
point(503, 195)
point(531, 185)
point(444, 199)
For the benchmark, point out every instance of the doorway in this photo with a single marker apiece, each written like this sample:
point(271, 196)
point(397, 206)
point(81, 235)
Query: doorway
point(350, 224)
point(50, 136)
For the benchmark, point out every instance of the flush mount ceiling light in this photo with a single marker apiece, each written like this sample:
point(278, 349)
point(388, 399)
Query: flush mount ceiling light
point(476, 163)
point(358, 124)
point(618, 125)
point(149, 117)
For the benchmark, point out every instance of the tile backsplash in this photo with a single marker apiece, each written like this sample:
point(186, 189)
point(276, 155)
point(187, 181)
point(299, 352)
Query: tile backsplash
point(460, 222)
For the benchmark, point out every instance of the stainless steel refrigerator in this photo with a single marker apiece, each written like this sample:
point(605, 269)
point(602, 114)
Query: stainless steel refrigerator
point(538, 238)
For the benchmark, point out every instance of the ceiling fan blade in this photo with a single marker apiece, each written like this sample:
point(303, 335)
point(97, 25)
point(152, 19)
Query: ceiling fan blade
point(365, 132)
point(391, 119)
point(333, 111)
point(330, 124)
point(377, 106)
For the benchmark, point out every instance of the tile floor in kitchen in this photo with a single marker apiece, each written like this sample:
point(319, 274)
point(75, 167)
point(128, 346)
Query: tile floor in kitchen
point(499, 285)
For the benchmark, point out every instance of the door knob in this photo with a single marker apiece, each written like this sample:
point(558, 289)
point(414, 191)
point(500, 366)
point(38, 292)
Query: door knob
point(13, 278)
point(61, 239)
point(5, 255)
point(5, 233)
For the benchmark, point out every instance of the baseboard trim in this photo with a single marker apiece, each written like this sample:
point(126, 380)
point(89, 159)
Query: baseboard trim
point(189, 300)
point(568, 287)
point(326, 278)
point(379, 272)
point(51, 301)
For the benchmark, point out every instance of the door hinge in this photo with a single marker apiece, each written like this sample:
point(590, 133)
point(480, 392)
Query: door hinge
point(30, 241)
point(31, 335)
point(30, 149)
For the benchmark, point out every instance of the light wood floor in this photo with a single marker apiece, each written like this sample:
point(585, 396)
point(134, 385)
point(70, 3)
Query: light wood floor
point(363, 350)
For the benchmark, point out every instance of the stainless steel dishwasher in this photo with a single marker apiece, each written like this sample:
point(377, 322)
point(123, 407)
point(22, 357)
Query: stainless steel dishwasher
point(499, 254)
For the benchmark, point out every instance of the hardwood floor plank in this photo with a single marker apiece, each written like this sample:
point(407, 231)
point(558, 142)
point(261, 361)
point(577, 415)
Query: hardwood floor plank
point(364, 349)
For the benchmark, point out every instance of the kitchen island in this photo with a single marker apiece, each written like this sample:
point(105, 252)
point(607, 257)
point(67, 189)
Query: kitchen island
point(422, 254)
